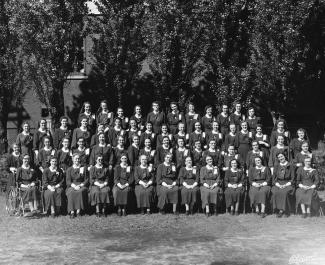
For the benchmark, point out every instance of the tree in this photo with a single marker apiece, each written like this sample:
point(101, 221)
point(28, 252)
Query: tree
point(50, 35)
point(11, 70)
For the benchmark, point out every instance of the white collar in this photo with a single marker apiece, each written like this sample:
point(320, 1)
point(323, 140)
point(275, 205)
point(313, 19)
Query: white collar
point(233, 170)
point(84, 130)
point(13, 153)
point(117, 129)
point(99, 166)
point(286, 163)
point(102, 145)
point(23, 166)
point(237, 113)
point(137, 147)
point(122, 166)
point(147, 149)
point(232, 134)
point(209, 117)
point(308, 169)
point(280, 146)
point(147, 132)
point(65, 150)
point(224, 115)
point(53, 170)
point(143, 167)
point(244, 132)
point(167, 165)
point(208, 167)
point(189, 168)
point(45, 149)
point(39, 129)
point(210, 150)
point(197, 150)
point(63, 129)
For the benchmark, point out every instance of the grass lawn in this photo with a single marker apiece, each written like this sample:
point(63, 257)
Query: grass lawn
point(162, 239)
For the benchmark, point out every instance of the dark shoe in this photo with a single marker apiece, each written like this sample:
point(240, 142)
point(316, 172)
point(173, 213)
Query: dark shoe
point(98, 215)
point(142, 211)
point(263, 215)
point(258, 213)
point(162, 212)
point(119, 212)
point(176, 213)
point(304, 215)
point(187, 213)
point(236, 213)
point(232, 212)
point(53, 215)
point(280, 214)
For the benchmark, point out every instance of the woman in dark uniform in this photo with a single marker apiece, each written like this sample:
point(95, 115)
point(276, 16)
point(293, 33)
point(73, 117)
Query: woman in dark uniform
point(99, 189)
point(306, 193)
point(234, 183)
point(25, 142)
point(259, 179)
point(64, 155)
point(62, 132)
point(123, 179)
point(189, 181)
point(14, 161)
point(174, 117)
point(167, 186)
point(144, 185)
point(191, 117)
point(53, 184)
point(243, 141)
point(86, 113)
point(81, 132)
point(156, 117)
point(77, 191)
point(283, 185)
point(207, 119)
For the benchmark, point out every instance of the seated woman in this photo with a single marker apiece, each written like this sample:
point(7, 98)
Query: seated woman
point(77, 191)
point(211, 189)
point(283, 183)
point(259, 178)
point(144, 189)
point(275, 150)
point(189, 181)
point(99, 190)
point(167, 188)
point(14, 161)
point(255, 152)
point(26, 178)
point(306, 194)
point(123, 180)
point(53, 181)
point(234, 179)
point(296, 143)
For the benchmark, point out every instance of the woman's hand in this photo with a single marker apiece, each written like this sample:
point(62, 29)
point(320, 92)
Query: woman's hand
point(206, 185)
point(32, 184)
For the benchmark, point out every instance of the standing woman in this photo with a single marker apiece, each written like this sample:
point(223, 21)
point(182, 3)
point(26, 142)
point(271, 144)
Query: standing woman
point(53, 183)
point(189, 181)
point(148, 152)
point(181, 134)
point(207, 119)
point(77, 192)
point(283, 186)
point(86, 113)
point(211, 189)
point(180, 153)
point(133, 130)
point(306, 194)
point(197, 135)
point(234, 183)
point(81, 132)
point(45, 154)
point(215, 135)
point(24, 141)
point(95, 137)
point(230, 137)
point(144, 189)
point(124, 120)
point(255, 152)
point(197, 155)
point(104, 116)
point(243, 141)
point(300, 157)
point(64, 155)
point(229, 156)
point(156, 117)
point(237, 117)
point(252, 120)
point(103, 150)
point(123, 179)
point(26, 178)
point(275, 150)
point(162, 150)
point(167, 186)
point(296, 143)
point(223, 120)
point(191, 117)
point(263, 141)
point(138, 117)
point(14, 161)
point(259, 178)
point(214, 153)
point(62, 132)
point(116, 132)
point(174, 117)
point(119, 150)
point(99, 189)
point(134, 151)
point(83, 152)
point(164, 132)
point(148, 134)
point(39, 135)
point(280, 130)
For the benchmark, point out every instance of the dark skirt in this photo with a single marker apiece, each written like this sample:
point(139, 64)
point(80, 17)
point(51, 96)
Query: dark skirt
point(145, 196)
point(98, 195)
point(209, 196)
point(121, 196)
point(53, 198)
point(243, 150)
point(29, 194)
point(307, 197)
point(77, 199)
point(233, 196)
point(166, 196)
point(281, 198)
point(259, 195)
point(189, 196)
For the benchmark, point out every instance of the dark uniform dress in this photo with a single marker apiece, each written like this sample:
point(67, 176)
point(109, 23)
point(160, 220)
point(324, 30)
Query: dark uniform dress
point(252, 123)
point(95, 139)
point(261, 194)
point(122, 175)
point(234, 195)
point(140, 120)
point(114, 134)
point(133, 155)
point(190, 120)
point(144, 196)
point(275, 150)
point(210, 176)
point(148, 135)
point(77, 133)
point(44, 157)
point(281, 197)
point(207, 123)
point(25, 143)
point(217, 137)
point(77, 199)
point(215, 155)
point(91, 120)
point(179, 135)
point(229, 140)
point(106, 119)
point(64, 159)
point(98, 195)
point(264, 148)
point(180, 156)
point(236, 119)
point(308, 178)
point(161, 153)
point(250, 160)
point(129, 135)
point(197, 157)
point(15, 162)
point(150, 154)
point(227, 158)
point(243, 143)
point(189, 176)
point(157, 119)
point(224, 122)
point(38, 141)
point(53, 178)
point(117, 154)
point(83, 156)
point(194, 136)
point(276, 133)
point(105, 151)
point(173, 119)
point(301, 156)
point(166, 174)
point(295, 146)
point(27, 176)
point(58, 136)
point(159, 140)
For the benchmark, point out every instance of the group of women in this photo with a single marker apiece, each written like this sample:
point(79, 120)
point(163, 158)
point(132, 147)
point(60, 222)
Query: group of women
point(159, 160)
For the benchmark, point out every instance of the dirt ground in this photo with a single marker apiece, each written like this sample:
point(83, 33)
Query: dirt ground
point(162, 239)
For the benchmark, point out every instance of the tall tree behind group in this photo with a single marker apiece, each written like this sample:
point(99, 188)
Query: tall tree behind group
point(11, 87)
point(49, 32)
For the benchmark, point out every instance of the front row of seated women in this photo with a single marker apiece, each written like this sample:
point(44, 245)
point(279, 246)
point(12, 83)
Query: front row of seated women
point(172, 186)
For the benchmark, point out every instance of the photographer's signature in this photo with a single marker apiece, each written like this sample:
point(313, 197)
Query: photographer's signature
point(300, 259)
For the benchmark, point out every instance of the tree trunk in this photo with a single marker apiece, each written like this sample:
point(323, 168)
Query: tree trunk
point(3, 123)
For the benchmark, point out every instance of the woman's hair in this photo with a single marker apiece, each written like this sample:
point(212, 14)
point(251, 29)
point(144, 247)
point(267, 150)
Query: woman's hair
point(82, 110)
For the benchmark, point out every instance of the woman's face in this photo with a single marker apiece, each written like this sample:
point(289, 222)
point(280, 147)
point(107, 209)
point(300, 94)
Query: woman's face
point(120, 141)
point(280, 139)
point(147, 143)
point(84, 123)
point(133, 124)
point(149, 127)
point(15, 148)
point(208, 160)
point(232, 128)
point(233, 164)
point(53, 162)
point(181, 127)
point(281, 158)
point(64, 122)
point(65, 143)
point(46, 142)
point(143, 160)
point(259, 130)
point(26, 160)
point(255, 146)
point(197, 126)
point(280, 125)
point(164, 129)
point(305, 147)
point(301, 134)
point(103, 106)
point(191, 107)
point(165, 141)
point(198, 145)
point(180, 142)
point(224, 109)
point(124, 159)
point(212, 145)
point(238, 107)
point(87, 107)
point(215, 126)
point(136, 139)
point(258, 162)
point(26, 127)
point(209, 111)
point(117, 123)
point(231, 150)
point(81, 143)
point(100, 128)
point(168, 158)
point(155, 107)
point(188, 162)
point(120, 112)
point(99, 160)
point(101, 138)
point(137, 110)
point(76, 160)
point(43, 124)
point(244, 126)
point(251, 112)
point(307, 162)
point(173, 107)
